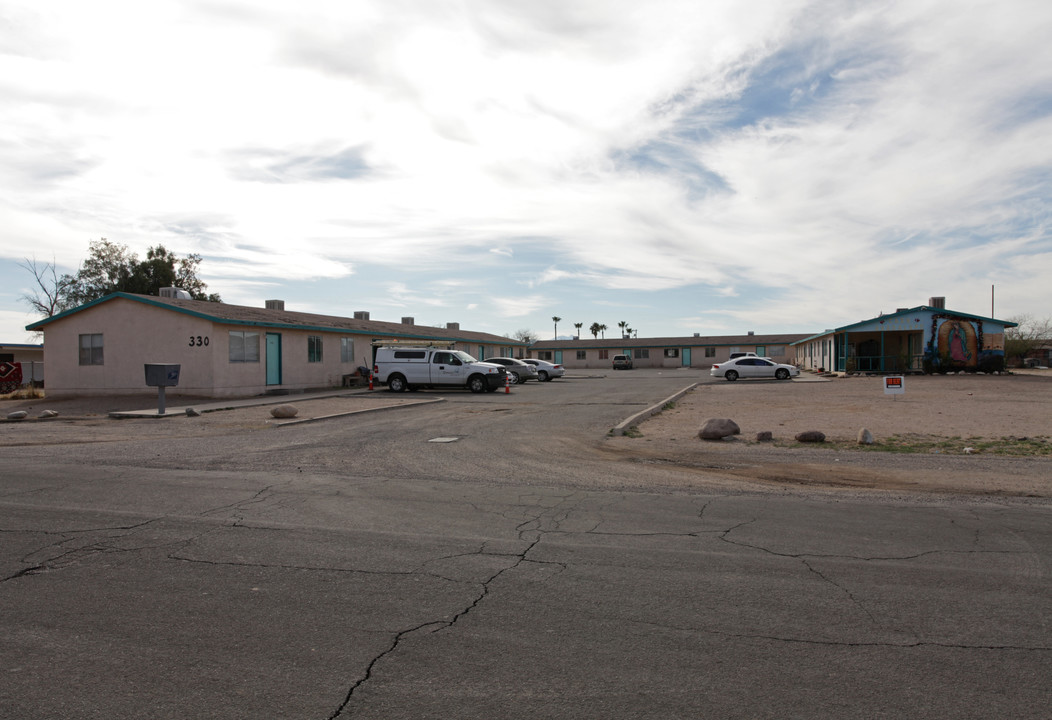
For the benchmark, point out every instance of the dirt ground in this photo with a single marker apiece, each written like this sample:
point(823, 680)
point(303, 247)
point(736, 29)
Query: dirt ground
point(80, 416)
point(966, 406)
point(970, 434)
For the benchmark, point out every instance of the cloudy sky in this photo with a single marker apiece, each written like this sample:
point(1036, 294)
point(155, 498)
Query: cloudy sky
point(681, 165)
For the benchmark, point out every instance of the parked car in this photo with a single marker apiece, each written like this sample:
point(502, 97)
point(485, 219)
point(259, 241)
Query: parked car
point(753, 367)
point(519, 371)
point(622, 362)
point(742, 354)
point(402, 368)
point(546, 370)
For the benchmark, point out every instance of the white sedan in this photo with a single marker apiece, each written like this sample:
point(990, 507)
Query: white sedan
point(753, 367)
point(546, 370)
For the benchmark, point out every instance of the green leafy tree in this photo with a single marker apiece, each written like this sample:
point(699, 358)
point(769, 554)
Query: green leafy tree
point(111, 267)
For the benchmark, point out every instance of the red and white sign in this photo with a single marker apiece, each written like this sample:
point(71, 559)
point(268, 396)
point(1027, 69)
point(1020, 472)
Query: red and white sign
point(894, 385)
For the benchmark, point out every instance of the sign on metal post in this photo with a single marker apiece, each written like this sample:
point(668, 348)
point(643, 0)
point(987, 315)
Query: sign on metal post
point(894, 385)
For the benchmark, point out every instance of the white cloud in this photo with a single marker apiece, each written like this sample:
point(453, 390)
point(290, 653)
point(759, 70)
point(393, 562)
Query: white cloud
point(791, 160)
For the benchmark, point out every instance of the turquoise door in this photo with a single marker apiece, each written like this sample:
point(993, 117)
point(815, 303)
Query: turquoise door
point(273, 358)
point(558, 357)
point(686, 357)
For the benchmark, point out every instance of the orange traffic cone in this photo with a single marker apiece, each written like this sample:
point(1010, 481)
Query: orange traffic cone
point(507, 384)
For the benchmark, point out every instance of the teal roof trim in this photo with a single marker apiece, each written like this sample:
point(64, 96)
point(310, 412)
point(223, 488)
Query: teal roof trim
point(908, 311)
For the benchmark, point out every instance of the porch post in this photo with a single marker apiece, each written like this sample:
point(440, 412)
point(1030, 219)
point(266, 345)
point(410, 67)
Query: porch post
point(882, 351)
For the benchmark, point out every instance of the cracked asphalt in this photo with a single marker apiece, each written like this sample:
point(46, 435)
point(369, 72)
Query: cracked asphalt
point(351, 569)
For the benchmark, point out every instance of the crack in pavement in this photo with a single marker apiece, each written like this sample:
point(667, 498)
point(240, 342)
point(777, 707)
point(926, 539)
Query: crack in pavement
point(850, 596)
point(434, 625)
point(530, 525)
point(71, 556)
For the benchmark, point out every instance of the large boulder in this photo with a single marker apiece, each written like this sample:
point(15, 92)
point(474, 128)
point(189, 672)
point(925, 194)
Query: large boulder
point(284, 411)
point(811, 436)
point(865, 437)
point(718, 428)
point(764, 436)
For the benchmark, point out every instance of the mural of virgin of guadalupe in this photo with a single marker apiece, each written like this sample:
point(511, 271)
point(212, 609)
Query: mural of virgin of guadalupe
point(958, 341)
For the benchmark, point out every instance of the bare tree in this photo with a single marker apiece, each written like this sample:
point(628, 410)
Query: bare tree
point(51, 295)
point(1029, 334)
point(527, 336)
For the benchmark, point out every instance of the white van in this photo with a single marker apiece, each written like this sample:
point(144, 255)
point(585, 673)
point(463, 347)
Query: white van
point(402, 368)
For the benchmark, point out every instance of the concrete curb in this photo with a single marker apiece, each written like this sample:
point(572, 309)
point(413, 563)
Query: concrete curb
point(620, 428)
point(358, 412)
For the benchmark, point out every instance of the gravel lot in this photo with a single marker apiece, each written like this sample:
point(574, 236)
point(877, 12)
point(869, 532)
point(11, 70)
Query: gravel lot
point(935, 420)
point(945, 434)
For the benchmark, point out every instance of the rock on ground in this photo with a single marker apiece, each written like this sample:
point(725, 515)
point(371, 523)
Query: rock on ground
point(813, 436)
point(718, 428)
point(284, 411)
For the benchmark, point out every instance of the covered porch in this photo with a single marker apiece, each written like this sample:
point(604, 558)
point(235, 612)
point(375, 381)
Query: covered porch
point(883, 351)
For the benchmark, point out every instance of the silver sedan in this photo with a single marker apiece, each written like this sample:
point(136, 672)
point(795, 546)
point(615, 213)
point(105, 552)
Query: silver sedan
point(546, 370)
point(518, 371)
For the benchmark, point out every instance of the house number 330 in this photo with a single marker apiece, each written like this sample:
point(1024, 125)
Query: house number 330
point(198, 341)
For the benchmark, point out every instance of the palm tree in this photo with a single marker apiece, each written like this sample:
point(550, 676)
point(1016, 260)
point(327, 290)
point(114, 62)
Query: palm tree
point(623, 324)
point(628, 332)
point(602, 329)
point(594, 328)
point(556, 320)
point(578, 326)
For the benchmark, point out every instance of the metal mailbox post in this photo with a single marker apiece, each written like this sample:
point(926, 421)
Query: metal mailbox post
point(161, 375)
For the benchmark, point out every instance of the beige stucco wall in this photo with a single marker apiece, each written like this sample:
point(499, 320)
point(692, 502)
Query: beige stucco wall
point(133, 334)
point(657, 357)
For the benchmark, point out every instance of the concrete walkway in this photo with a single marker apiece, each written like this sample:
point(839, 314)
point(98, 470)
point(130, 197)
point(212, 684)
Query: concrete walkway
point(236, 403)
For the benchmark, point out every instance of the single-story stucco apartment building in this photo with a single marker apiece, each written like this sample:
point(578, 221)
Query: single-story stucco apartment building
point(669, 352)
point(223, 350)
point(926, 338)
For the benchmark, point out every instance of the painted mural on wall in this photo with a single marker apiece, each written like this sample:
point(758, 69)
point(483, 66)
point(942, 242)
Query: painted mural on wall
point(959, 344)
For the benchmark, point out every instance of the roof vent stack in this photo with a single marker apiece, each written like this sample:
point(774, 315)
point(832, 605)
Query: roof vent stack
point(408, 321)
point(938, 303)
point(275, 304)
point(452, 326)
point(361, 314)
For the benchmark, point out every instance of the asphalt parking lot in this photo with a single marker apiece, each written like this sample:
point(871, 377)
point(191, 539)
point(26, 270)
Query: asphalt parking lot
point(521, 568)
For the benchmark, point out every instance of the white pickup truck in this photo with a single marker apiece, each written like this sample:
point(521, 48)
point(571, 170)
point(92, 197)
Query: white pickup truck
point(404, 368)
